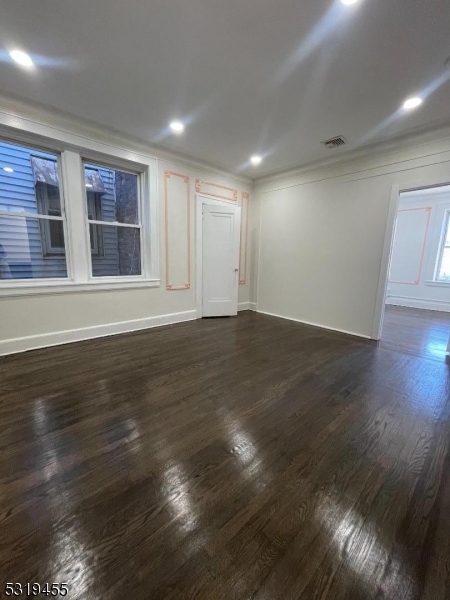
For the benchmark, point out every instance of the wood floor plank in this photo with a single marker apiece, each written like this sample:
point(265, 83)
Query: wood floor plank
point(237, 458)
point(423, 333)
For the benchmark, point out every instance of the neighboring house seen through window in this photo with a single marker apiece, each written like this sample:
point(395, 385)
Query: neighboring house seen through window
point(31, 214)
point(70, 223)
point(52, 232)
point(117, 221)
point(95, 233)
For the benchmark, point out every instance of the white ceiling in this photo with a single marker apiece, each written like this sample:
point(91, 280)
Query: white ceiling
point(274, 77)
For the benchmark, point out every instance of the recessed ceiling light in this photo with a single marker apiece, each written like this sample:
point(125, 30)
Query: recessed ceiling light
point(348, 2)
point(89, 185)
point(21, 58)
point(177, 126)
point(255, 160)
point(8, 169)
point(412, 103)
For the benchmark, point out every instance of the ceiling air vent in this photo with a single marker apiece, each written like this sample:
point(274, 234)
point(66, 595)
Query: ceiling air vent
point(335, 142)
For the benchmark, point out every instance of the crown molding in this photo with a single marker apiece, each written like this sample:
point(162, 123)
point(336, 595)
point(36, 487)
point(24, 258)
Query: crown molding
point(355, 159)
point(19, 110)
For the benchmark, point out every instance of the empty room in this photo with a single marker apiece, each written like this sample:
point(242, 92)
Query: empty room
point(224, 299)
point(417, 312)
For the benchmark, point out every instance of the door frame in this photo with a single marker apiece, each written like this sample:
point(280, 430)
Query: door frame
point(201, 199)
point(383, 280)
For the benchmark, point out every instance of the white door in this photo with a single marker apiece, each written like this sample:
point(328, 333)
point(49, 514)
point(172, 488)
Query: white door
point(220, 259)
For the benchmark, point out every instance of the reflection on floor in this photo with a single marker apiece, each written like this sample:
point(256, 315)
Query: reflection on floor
point(419, 332)
point(226, 459)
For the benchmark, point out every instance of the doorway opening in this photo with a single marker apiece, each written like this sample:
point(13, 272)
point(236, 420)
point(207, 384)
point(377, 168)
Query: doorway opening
point(417, 302)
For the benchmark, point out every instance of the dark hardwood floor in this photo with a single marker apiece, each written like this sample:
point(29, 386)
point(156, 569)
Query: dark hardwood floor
point(241, 458)
point(419, 332)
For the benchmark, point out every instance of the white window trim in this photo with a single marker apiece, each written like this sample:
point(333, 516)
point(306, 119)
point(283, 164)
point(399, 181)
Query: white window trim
point(442, 246)
point(437, 233)
point(437, 283)
point(73, 150)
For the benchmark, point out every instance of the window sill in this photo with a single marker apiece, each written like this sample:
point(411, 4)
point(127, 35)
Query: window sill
point(437, 283)
point(42, 288)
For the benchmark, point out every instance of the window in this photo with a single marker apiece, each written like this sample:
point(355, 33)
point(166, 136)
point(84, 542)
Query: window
point(443, 265)
point(112, 198)
point(32, 222)
point(76, 221)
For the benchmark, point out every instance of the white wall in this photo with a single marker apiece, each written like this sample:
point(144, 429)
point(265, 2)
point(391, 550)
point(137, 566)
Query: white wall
point(419, 226)
point(321, 242)
point(41, 320)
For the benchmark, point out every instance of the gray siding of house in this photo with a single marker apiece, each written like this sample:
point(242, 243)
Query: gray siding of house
point(21, 237)
point(108, 264)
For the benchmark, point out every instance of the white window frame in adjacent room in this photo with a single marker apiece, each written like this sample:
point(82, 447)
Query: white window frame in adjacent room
point(442, 247)
point(72, 150)
point(437, 236)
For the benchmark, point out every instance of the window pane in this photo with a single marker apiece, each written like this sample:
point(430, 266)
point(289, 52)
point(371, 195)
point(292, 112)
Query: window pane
point(447, 238)
point(29, 180)
point(56, 234)
point(121, 251)
point(444, 271)
point(115, 192)
point(23, 249)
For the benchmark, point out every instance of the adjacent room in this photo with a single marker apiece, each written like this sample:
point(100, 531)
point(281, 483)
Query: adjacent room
point(225, 300)
point(417, 312)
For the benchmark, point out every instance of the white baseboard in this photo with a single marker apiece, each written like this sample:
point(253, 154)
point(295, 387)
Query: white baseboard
point(246, 306)
point(361, 335)
point(32, 342)
point(418, 303)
